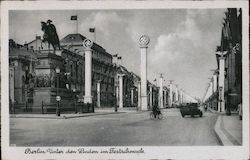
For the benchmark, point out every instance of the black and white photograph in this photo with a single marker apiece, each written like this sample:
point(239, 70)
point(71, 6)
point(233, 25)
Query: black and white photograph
point(125, 80)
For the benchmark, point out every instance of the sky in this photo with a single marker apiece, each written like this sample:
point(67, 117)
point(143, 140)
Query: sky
point(182, 41)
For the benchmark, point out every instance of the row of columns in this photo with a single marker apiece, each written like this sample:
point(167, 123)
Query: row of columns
point(213, 86)
point(142, 85)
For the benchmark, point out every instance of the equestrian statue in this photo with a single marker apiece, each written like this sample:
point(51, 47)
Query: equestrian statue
point(50, 34)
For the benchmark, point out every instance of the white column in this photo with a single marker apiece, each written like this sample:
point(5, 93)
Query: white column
point(117, 95)
point(181, 99)
point(151, 96)
point(215, 82)
point(120, 90)
point(143, 42)
point(176, 94)
point(98, 90)
point(12, 83)
point(161, 92)
point(221, 102)
point(87, 44)
point(211, 88)
point(139, 95)
point(132, 96)
point(170, 94)
point(166, 97)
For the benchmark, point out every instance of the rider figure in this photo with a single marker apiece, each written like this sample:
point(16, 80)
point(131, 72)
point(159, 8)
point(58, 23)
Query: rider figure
point(156, 110)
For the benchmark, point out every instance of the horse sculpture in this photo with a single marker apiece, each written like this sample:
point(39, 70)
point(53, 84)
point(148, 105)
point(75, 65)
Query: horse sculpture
point(50, 34)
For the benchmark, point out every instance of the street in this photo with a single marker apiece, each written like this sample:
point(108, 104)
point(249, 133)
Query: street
point(125, 129)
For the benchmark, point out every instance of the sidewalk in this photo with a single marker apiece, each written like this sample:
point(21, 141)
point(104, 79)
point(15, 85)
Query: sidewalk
point(98, 111)
point(228, 129)
point(63, 116)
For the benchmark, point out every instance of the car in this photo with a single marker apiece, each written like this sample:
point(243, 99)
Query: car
point(191, 109)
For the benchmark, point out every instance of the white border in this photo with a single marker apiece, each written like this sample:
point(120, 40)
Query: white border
point(194, 152)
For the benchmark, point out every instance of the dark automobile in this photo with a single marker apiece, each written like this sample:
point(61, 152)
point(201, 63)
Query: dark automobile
point(191, 109)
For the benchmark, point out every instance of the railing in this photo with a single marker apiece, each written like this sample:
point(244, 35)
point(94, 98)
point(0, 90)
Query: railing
point(50, 108)
point(20, 107)
point(77, 107)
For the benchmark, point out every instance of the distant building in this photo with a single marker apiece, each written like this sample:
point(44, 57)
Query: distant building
point(37, 44)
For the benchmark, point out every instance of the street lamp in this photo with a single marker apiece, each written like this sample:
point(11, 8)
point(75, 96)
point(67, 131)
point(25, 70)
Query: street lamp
point(58, 98)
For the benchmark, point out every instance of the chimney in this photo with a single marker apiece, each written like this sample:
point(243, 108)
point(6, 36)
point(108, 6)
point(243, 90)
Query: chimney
point(38, 37)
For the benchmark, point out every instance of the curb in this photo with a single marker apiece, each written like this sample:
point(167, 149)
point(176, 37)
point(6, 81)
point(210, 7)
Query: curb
point(93, 115)
point(216, 112)
point(67, 117)
point(220, 134)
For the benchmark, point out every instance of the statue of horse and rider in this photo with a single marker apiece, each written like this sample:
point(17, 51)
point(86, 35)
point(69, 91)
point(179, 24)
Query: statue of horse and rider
point(50, 34)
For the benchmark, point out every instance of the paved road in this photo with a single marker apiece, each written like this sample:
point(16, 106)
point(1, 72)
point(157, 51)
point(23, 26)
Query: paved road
point(132, 129)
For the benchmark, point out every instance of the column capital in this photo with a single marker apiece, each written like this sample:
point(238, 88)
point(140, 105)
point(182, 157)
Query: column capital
point(120, 75)
point(100, 80)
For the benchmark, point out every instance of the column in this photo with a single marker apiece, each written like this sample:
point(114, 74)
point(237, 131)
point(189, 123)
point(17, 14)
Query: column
point(221, 102)
point(176, 94)
point(161, 92)
point(87, 44)
point(132, 96)
point(139, 95)
point(215, 82)
point(143, 42)
point(98, 90)
point(120, 76)
point(170, 94)
point(117, 95)
point(181, 96)
point(12, 83)
point(166, 97)
point(211, 88)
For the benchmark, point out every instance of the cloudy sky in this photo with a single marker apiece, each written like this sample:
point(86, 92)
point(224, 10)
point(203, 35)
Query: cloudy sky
point(182, 41)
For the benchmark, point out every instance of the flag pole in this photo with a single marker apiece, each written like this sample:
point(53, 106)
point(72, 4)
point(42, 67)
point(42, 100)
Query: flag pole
point(76, 23)
point(95, 35)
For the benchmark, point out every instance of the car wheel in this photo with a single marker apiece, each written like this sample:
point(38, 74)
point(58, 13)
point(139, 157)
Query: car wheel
point(192, 115)
point(240, 117)
point(182, 115)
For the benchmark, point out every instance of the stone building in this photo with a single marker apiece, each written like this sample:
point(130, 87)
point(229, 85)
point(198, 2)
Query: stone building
point(103, 70)
point(230, 54)
point(39, 61)
point(233, 59)
point(21, 73)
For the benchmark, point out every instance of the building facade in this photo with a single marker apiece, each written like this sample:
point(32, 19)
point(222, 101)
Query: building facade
point(230, 54)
